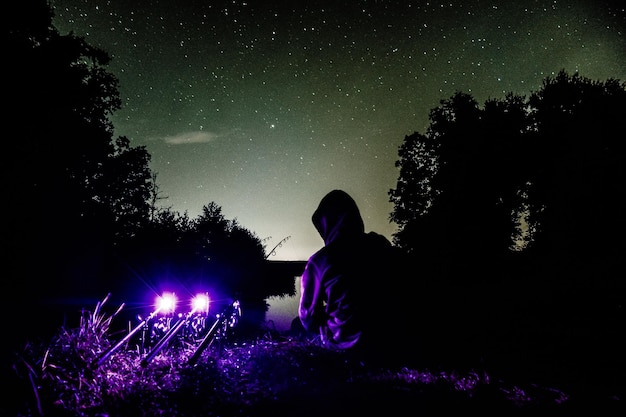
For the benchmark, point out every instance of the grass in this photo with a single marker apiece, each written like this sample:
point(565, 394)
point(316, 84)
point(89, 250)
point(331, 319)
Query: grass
point(259, 374)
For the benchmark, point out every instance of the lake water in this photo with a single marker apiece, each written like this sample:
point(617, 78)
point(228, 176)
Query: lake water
point(282, 310)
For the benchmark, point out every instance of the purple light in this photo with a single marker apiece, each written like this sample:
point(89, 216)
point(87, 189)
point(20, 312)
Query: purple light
point(166, 303)
point(200, 303)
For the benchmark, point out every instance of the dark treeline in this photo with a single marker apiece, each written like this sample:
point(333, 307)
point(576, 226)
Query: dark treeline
point(542, 176)
point(512, 214)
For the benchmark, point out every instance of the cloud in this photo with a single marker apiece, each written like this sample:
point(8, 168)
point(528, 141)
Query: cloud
point(187, 138)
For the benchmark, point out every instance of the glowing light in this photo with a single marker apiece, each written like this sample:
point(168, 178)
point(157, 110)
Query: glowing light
point(200, 303)
point(166, 303)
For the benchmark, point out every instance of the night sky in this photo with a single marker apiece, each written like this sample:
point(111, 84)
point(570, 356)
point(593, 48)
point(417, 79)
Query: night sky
point(264, 107)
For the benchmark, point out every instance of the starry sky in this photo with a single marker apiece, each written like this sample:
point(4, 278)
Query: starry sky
point(265, 106)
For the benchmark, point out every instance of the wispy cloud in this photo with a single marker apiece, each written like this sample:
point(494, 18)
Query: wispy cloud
point(187, 138)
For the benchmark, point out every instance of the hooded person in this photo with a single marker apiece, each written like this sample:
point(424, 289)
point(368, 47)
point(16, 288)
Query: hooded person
point(349, 286)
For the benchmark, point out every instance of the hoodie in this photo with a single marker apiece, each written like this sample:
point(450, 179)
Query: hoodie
point(341, 283)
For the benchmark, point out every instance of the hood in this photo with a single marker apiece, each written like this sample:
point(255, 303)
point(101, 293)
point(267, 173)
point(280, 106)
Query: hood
point(337, 215)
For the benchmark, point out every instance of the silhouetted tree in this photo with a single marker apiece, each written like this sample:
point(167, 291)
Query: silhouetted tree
point(554, 162)
point(125, 187)
point(236, 255)
point(532, 192)
point(67, 173)
point(208, 253)
point(457, 194)
point(576, 174)
point(72, 189)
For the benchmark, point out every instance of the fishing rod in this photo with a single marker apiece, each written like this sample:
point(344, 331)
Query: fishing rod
point(166, 302)
point(199, 304)
point(223, 323)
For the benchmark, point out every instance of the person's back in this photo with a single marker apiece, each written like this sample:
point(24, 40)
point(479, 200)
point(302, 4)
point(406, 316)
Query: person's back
point(350, 287)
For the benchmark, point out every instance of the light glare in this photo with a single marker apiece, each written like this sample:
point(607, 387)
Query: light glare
point(166, 303)
point(200, 303)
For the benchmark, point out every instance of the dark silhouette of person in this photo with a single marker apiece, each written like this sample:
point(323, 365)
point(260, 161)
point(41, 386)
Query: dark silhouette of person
point(350, 292)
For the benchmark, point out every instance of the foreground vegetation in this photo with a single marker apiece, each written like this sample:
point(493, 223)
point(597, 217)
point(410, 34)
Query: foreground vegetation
point(265, 373)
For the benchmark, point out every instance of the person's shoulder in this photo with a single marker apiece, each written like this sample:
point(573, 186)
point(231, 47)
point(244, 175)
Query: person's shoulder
point(377, 238)
point(385, 249)
point(320, 257)
point(395, 254)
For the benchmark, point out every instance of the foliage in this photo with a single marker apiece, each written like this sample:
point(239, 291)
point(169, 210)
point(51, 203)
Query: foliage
point(207, 251)
point(576, 173)
point(127, 183)
point(542, 175)
point(74, 189)
point(261, 375)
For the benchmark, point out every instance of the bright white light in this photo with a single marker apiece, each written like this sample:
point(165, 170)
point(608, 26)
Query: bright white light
point(166, 303)
point(200, 303)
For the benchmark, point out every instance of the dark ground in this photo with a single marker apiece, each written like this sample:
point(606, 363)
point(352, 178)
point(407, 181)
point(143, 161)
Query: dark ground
point(285, 375)
point(561, 361)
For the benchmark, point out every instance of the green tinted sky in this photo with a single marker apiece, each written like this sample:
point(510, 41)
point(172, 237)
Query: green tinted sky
point(265, 106)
